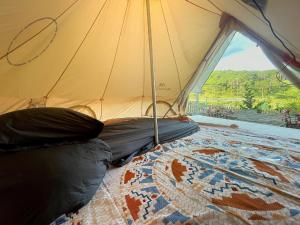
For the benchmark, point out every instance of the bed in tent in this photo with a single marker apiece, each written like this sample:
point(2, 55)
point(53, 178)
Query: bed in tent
point(141, 58)
point(52, 160)
point(219, 175)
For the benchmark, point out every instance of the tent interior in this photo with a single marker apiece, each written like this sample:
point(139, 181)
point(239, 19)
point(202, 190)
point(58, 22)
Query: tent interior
point(140, 59)
point(51, 56)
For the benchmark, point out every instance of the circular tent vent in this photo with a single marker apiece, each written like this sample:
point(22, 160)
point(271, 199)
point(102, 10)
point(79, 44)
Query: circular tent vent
point(163, 107)
point(85, 110)
point(32, 41)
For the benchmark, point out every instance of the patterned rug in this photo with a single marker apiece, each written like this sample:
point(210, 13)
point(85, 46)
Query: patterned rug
point(215, 176)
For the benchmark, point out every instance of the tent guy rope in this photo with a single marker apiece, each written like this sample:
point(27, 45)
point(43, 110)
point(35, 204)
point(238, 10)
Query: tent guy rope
point(77, 50)
point(171, 46)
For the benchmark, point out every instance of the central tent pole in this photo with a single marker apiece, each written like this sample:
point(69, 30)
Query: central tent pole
point(152, 73)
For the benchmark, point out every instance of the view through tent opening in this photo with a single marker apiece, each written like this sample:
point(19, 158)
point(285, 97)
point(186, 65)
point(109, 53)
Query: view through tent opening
point(246, 86)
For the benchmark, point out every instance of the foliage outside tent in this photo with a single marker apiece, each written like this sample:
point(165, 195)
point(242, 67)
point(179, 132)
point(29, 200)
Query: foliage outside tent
point(233, 89)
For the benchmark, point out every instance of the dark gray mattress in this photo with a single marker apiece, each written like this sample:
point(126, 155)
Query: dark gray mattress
point(40, 184)
point(135, 136)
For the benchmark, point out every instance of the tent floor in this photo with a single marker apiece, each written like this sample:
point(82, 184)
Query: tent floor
point(217, 175)
point(257, 128)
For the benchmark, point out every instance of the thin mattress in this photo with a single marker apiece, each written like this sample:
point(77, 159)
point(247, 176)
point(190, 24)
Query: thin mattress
point(128, 137)
point(215, 176)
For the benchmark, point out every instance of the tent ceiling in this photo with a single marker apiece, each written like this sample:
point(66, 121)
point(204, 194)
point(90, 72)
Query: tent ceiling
point(283, 15)
point(95, 52)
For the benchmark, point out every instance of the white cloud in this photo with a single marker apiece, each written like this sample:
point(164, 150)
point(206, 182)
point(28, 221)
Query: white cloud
point(251, 58)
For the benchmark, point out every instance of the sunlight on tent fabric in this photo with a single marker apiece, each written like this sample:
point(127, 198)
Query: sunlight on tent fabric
point(111, 68)
point(95, 53)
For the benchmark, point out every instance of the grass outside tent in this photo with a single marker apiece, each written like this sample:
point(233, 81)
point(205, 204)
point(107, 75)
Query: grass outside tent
point(246, 95)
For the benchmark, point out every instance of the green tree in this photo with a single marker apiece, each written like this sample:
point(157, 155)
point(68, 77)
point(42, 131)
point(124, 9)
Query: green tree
point(248, 101)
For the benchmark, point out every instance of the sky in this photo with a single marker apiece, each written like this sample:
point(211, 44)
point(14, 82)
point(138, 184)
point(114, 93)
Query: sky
point(243, 54)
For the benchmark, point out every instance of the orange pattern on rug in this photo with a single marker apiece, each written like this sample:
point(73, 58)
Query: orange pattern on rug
point(133, 206)
point(265, 168)
point(128, 176)
point(178, 170)
point(209, 151)
point(245, 202)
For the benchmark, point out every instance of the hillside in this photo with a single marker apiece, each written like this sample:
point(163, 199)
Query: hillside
point(229, 88)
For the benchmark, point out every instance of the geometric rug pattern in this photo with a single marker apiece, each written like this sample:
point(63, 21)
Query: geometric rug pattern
point(215, 176)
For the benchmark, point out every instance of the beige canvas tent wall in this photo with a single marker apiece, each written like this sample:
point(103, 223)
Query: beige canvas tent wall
point(93, 55)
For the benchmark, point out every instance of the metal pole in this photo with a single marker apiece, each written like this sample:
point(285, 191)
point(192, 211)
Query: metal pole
point(152, 73)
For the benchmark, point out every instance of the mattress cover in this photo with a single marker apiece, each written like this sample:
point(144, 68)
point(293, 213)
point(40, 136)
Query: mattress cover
point(215, 176)
point(128, 137)
point(39, 184)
